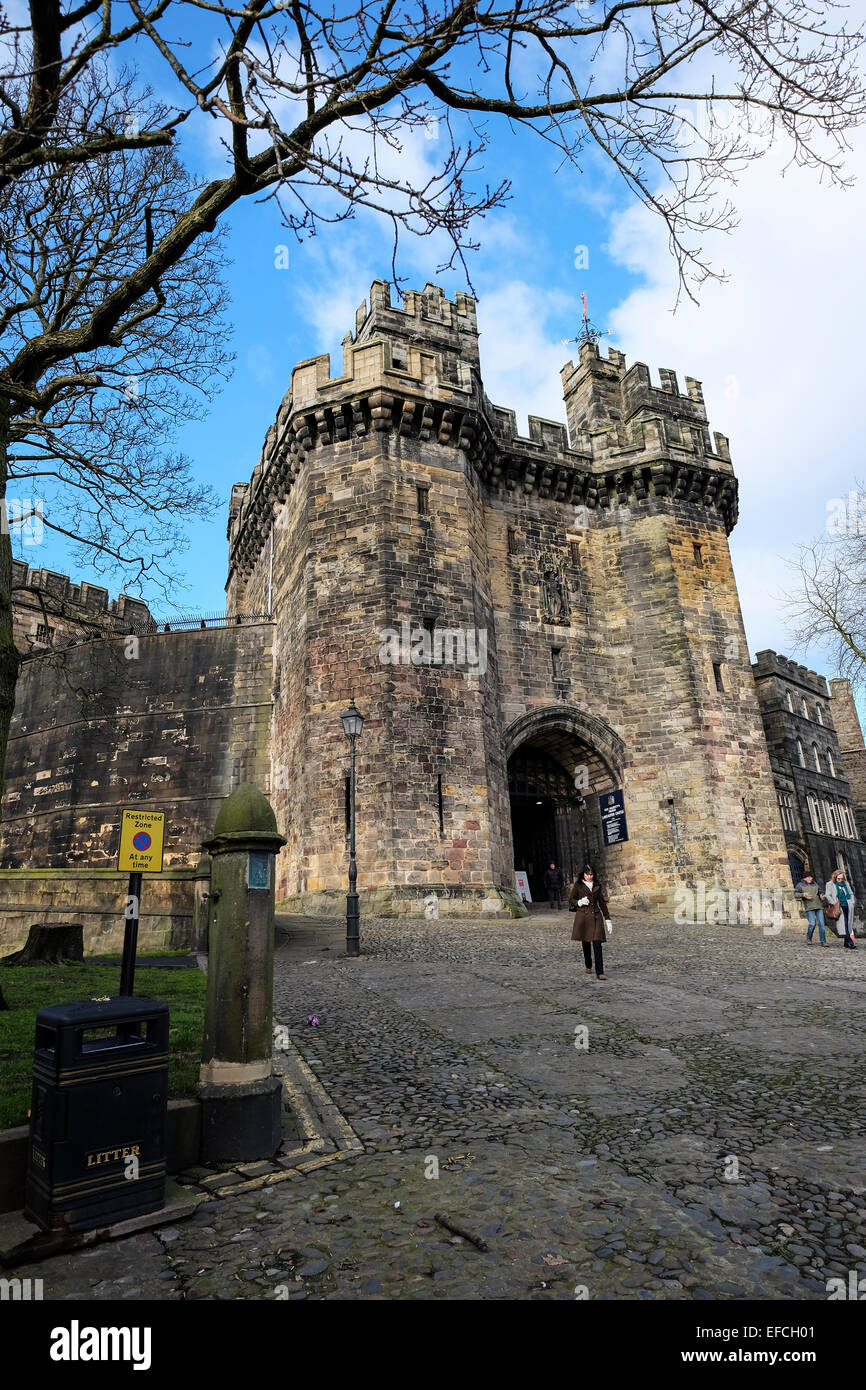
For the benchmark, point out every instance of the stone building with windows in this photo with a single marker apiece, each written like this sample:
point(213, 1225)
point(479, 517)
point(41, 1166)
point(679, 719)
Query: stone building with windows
point(529, 623)
point(49, 611)
point(810, 772)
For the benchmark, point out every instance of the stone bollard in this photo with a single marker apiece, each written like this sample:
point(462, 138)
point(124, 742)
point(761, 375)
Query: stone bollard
point(240, 1096)
point(200, 913)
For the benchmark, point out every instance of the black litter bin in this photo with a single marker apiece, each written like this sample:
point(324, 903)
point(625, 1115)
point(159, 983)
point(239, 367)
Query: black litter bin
point(97, 1118)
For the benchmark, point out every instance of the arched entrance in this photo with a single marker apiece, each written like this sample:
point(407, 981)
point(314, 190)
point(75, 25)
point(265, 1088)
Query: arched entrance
point(559, 760)
point(797, 860)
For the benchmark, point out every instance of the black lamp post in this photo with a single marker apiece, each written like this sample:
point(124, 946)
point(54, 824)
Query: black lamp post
point(352, 723)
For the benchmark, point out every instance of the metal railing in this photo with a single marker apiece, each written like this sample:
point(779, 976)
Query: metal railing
point(189, 622)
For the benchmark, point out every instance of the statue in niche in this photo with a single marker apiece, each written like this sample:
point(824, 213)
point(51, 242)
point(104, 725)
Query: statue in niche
point(554, 590)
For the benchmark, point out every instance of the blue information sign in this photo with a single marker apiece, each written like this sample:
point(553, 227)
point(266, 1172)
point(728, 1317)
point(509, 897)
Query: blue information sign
point(612, 808)
point(259, 873)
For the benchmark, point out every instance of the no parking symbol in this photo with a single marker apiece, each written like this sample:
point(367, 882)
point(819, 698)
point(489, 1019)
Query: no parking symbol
point(141, 836)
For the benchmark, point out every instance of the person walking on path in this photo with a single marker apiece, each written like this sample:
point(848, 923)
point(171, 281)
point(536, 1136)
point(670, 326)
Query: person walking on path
point(813, 901)
point(591, 919)
point(554, 884)
point(839, 892)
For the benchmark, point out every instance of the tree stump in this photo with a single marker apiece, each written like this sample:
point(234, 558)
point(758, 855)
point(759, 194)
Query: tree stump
point(49, 944)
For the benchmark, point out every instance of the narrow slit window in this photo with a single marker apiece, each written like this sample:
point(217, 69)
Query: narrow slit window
point(556, 662)
point(440, 804)
point(423, 496)
point(575, 554)
point(717, 672)
point(512, 541)
point(698, 551)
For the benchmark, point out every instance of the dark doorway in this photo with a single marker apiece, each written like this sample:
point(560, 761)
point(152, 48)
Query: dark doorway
point(551, 822)
point(533, 829)
point(796, 865)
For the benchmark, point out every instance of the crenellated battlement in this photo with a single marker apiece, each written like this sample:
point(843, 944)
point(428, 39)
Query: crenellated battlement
point(59, 590)
point(603, 393)
point(427, 316)
point(769, 663)
point(414, 372)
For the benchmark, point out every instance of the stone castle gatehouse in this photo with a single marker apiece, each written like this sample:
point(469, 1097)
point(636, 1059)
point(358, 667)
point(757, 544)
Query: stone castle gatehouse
point(526, 624)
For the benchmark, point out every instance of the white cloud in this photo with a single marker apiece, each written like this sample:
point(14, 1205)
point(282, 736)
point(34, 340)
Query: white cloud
point(778, 349)
point(520, 360)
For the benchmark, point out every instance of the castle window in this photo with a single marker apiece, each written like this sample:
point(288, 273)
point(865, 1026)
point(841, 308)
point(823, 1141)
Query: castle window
point(422, 492)
point(398, 356)
point(801, 753)
point(556, 662)
point(44, 633)
point(698, 552)
point(790, 699)
point(830, 763)
point(817, 756)
point(512, 541)
point(575, 553)
point(717, 672)
point(814, 813)
point(804, 709)
point(819, 714)
point(786, 807)
point(441, 804)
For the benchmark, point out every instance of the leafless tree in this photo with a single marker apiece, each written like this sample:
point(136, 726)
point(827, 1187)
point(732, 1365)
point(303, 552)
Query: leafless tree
point(92, 458)
point(95, 449)
point(826, 605)
point(315, 104)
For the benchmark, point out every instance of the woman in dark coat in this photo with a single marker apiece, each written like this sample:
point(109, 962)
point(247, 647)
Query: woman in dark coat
point(591, 913)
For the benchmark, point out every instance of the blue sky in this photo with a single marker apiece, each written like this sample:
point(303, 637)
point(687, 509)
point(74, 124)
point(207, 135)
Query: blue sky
point(777, 346)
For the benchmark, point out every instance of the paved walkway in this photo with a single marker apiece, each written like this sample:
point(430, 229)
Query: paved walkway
point(504, 1126)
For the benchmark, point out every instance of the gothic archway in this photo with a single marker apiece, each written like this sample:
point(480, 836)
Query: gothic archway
point(559, 759)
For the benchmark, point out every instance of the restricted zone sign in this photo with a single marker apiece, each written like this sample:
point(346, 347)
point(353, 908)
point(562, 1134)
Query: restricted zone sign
point(141, 836)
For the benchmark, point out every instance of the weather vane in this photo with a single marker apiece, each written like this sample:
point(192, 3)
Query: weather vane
point(588, 333)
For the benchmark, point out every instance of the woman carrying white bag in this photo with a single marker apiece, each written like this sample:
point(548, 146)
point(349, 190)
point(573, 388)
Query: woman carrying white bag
point(592, 922)
point(840, 909)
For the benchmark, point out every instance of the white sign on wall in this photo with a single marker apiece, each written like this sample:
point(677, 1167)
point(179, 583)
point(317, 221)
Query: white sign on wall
point(522, 884)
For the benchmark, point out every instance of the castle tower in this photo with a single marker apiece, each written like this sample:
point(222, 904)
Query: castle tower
point(527, 624)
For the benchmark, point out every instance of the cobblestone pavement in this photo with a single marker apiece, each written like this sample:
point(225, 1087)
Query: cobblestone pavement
point(705, 1143)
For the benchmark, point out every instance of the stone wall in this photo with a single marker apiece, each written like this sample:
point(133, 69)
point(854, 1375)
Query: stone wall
point(853, 749)
point(169, 721)
point(96, 898)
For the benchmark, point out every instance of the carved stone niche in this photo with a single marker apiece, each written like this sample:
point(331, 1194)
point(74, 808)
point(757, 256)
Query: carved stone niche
point(555, 600)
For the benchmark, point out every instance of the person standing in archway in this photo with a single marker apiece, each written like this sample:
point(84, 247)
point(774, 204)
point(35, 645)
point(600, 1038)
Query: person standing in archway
point(554, 884)
point(591, 919)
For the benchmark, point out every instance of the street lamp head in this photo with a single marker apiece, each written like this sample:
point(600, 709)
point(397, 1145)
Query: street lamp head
point(352, 721)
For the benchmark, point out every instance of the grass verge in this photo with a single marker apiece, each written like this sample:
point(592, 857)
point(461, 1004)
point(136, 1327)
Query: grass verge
point(27, 989)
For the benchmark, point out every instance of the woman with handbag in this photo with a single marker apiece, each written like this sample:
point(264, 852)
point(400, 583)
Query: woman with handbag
point(840, 900)
point(592, 922)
